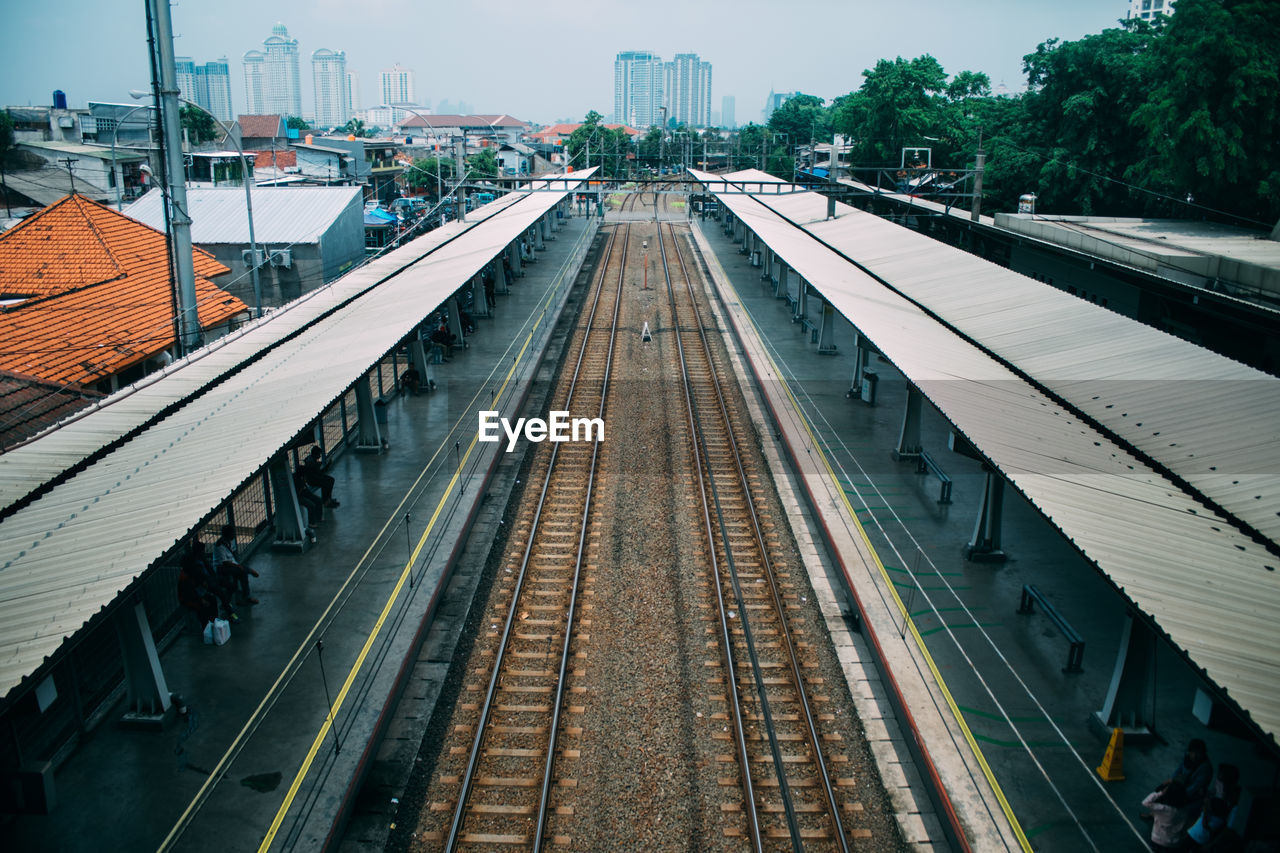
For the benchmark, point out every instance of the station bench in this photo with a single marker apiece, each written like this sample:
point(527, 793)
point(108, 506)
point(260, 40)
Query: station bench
point(1075, 654)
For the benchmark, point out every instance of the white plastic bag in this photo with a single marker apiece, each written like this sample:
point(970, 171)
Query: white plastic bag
point(217, 632)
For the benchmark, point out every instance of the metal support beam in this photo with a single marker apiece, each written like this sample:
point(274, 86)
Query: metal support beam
point(368, 436)
point(1131, 697)
point(780, 290)
point(984, 546)
point(517, 262)
point(802, 302)
point(146, 690)
point(909, 444)
point(539, 234)
point(418, 358)
point(286, 512)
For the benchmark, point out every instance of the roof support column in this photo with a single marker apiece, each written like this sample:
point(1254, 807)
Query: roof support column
point(802, 303)
point(909, 443)
point(826, 333)
point(766, 274)
point(148, 694)
point(553, 219)
point(418, 358)
point(368, 436)
point(539, 232)
point(780, 286)
point(479, 305)
point(455, 320)
point(861, 356)
point(984, 546)
point(286, 512)
point(517, 256)
point(1131, 698)
point(500, 272)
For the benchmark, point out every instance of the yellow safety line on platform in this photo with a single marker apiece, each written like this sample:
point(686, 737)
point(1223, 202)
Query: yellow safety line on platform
point(395, 594)
point(902, 608)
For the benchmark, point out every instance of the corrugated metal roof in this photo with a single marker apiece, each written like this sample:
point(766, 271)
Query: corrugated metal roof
point(1213, 589)
point(130, 502)
point(1164, 397)
point(293, 215)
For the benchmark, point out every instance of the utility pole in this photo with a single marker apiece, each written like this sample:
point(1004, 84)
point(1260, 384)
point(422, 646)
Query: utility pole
point(70, 172)
point(460, 195)
point(166, 89)
point(977, 180)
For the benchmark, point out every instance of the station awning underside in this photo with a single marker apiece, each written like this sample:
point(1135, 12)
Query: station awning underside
point(1058, 394)
point(149, 465)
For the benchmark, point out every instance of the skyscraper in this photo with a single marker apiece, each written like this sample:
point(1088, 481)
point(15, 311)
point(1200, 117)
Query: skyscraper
point(353, 92)
point(727, 105)
point(688, 89)
point(185, 71)
point(637, 88)
point(271, 77)
point(208, 85)
point(213, 86)
point(396, 85)
point(329, 73)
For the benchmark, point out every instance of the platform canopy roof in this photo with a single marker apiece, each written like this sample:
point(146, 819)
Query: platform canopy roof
point(126, 480)
point(1088, 414)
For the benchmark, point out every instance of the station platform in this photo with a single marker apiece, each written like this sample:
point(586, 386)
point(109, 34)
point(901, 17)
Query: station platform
point(255, 755)
point(1008, 731)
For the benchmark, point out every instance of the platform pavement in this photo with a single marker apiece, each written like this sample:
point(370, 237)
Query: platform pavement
point(1029, 720)
point(126, 789)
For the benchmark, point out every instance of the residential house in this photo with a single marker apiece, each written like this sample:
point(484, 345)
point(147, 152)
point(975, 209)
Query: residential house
point(499, 128)
point(264, 133)
point(322, 161)
point(306, 236)
point(376, 166)
point(89, 301)
point(94, 171)
point(29, 406)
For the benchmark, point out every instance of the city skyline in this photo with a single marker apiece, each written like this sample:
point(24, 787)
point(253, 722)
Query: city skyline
point(991, 37)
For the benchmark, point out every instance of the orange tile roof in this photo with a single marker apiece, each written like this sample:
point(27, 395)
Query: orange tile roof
point(100, 293)
point(262, 126)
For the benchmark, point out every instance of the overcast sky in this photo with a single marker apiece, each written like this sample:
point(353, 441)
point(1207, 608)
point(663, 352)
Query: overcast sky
point(538, 61)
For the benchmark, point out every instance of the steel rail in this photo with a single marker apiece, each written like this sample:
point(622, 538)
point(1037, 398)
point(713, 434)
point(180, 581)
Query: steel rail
point(732, 693)
point(473, 759)
point(768, 572)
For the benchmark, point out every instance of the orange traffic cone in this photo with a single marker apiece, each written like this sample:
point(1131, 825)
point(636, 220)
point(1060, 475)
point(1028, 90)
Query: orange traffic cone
point(1112, 768)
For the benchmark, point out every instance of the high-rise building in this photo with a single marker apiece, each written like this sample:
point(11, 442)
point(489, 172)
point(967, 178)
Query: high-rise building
point(396, 85)
point(637, 88)
point(1148, 9)
point(272, 83)
point(185, 71)
point(727, 105)
point(208, 85)
point(329, 73)
point(213, 86)
point(688, 89)
point(353, 92)
point(775, 100)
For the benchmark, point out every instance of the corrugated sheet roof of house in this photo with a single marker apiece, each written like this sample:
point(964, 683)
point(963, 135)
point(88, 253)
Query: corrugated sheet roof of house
point(99, 294)
point(489, 120)
point(289, 215)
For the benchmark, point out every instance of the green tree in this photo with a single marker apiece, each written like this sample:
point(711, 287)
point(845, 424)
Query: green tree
point(649, 147)
point(198, 124)
point(483, 164)
point(297, 123)
point(899, 102)
point(1082, 95)
point(758, 147)
point(423, 174)
point(1211, 119)
point(802, 118)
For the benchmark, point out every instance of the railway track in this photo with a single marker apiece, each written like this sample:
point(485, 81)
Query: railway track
point(503, 788)
point(786, 786)
point(649, 672)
